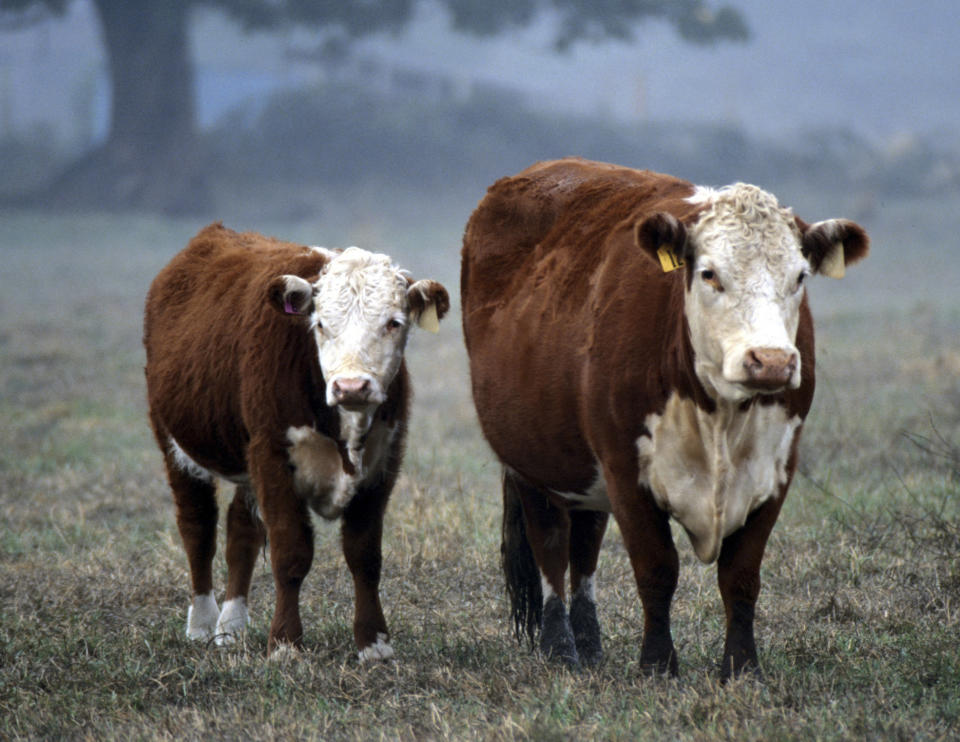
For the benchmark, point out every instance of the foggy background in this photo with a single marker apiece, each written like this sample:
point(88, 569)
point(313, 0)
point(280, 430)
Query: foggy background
point(889, 71)
point(880, 81)
point(390, 139)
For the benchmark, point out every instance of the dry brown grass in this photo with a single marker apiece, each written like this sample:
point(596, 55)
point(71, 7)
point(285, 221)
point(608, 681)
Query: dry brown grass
point(858, 620)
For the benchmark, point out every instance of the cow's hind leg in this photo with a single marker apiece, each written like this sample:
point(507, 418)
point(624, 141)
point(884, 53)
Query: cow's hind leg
point(362, 533)
point(587, 528)
point(738, 575)
point(194, 494)
point(546, 533)
point(245, 538)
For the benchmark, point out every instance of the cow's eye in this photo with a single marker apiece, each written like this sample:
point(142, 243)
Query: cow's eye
point(801, 278)
point(709, 277)
point(394, 324)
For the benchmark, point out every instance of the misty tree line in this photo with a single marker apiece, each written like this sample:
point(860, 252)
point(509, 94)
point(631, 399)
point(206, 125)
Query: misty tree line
point(447, 142)
point(415, 134)
point(155, 157)
point(153, 131)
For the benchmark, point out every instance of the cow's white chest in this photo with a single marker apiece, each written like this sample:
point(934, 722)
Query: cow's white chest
point(318, 468)
point(711, 470)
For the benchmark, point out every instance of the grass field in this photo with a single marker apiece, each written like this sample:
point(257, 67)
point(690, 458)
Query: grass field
point(858, 622)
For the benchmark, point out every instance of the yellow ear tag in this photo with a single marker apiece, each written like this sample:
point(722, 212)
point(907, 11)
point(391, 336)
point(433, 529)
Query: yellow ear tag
point(833, 264)
point(428, 319)
point(668, 259)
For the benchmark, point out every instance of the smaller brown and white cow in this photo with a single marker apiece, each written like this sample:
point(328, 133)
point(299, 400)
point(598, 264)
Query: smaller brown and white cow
point(279, 367)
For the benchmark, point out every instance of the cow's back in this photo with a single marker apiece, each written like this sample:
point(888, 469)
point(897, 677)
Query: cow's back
point(207, 324)
point(548, 255)
point(569, 205)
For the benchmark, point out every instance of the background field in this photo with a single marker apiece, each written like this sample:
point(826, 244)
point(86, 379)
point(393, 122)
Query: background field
point(858, 621)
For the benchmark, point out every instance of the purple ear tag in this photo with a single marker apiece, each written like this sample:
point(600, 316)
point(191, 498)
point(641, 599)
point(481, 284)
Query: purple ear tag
point(288, 307)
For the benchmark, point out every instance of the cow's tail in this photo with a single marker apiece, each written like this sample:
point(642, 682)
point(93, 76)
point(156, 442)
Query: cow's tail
point(519, 566)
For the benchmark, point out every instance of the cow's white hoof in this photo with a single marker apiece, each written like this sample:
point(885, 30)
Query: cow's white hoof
point(232, 622)
point(377, 652)
point(202, 617)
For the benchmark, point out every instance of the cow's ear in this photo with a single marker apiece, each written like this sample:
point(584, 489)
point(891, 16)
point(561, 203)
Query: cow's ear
point(664, 238)
point(832, 245)
point(290, 295)
point(429, 301)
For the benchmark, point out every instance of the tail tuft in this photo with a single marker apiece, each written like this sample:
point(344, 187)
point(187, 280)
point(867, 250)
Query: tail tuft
point(519, 567)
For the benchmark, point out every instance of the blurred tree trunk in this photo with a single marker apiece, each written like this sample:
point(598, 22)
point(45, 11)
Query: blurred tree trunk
point(151, 73)
point(151, 159)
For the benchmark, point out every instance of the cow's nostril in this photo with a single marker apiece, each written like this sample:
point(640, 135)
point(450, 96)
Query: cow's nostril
point(753, 363)
point(355, 389)
point(769, 367)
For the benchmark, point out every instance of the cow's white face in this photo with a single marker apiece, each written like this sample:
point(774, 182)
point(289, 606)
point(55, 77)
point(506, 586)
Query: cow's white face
point(359, 311)
point(747, 261)
point(360, 321)
point(743, 302)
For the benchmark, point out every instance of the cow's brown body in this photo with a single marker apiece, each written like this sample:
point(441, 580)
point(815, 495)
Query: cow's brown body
point(228, 376)
point(577, 340)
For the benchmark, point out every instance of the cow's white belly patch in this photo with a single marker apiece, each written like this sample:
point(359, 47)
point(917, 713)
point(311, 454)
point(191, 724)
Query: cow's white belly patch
point(191, 467)
point(593, 498)
point(711, 470)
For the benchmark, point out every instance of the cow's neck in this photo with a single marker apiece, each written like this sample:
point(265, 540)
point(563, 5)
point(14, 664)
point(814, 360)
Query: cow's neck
point(352, 437)
point(348, 428)
point(681, 368)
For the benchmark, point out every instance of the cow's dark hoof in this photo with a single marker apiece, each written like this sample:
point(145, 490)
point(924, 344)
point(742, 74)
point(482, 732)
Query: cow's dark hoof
point(586, 630)
point(660, 668)
point(750, 670)
point(740, 655)
point(556, 635)
point(658, 658)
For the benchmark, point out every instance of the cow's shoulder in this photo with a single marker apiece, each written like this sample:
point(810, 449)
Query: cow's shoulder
point(531, 202)
point(208, 312)
point(552, 225)
point(220, 265)
point(255, 253)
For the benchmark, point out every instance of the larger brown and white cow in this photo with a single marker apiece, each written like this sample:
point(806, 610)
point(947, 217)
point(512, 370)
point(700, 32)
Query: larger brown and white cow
point(280, 367)
point(607, 381)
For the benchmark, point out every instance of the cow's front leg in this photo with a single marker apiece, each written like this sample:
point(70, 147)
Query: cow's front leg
point(245, 539)
point(656, 566)
point(289, 535)
point(362, 532)
point(738, 575)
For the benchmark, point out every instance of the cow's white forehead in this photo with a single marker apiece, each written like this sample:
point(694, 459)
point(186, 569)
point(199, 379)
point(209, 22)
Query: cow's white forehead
point(741, 222)
point(356, 280)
